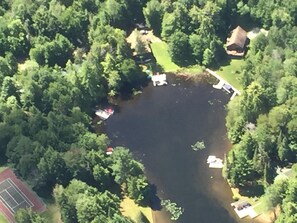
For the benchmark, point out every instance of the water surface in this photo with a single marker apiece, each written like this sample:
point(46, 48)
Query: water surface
point(159, 126)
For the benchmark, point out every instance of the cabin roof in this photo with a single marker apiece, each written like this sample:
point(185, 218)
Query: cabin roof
point(238, 37)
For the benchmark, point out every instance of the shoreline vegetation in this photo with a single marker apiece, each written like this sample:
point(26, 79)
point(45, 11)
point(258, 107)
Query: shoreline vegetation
point(75, 56)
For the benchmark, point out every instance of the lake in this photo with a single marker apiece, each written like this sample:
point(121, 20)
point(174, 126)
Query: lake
point(159, 126)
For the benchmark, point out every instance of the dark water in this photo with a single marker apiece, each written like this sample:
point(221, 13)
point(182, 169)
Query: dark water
point(159, 126)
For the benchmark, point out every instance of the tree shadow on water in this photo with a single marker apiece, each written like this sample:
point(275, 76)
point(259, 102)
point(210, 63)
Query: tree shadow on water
point(155, 201)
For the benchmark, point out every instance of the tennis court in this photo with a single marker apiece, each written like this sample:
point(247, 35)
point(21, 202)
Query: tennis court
point(15, 194)
point(12, 197)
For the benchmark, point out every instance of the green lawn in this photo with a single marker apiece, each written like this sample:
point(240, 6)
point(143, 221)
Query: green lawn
point(130, 209)
point(3, 219)
point(260, 208)
point(231, 72)
point(160, 51)
point(1, 169)
point(192, 70)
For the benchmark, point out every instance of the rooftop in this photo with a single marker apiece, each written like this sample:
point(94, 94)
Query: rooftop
point(238, 37)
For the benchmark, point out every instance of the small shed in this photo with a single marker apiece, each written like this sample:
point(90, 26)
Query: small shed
point(236, 43)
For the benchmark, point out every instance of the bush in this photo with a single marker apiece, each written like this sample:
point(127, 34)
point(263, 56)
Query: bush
point(173, 209)
point(199, 145)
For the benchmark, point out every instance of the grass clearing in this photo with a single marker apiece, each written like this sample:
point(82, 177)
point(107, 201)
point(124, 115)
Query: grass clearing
point(231, 72)
point(130, 209)
point(2, 168)
point(260, 208)
point(2, 218)
point(160, 51)
point(192, 70)
point(52, 213)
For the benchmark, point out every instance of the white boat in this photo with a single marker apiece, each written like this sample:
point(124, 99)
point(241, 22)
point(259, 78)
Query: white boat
point(104, 114)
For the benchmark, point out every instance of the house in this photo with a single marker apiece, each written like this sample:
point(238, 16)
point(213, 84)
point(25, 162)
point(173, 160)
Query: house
point(235, 45)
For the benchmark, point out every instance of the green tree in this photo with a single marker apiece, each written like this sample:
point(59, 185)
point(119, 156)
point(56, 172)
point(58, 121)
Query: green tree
point(254, 98)
point(53, 168)
point(124, 166)
point(138, 189)
point(45, 23)
point(169, 25)
point(208, 57)
point(102, 176)
point(17, 38)
point(198, 44)
point(286, 89)
point(28, 216)
point(153, 14)
point(101, 206)
point(9, 88)
point(274, 195)
point(179, 48)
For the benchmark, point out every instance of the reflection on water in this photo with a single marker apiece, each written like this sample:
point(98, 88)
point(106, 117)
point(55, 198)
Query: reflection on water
point(159, 126)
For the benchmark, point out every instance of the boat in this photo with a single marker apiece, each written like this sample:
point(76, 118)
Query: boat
point(109, 110)
point(104, 114)
point(109, 151)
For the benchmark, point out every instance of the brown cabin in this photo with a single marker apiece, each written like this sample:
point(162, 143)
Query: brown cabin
point(237, 41)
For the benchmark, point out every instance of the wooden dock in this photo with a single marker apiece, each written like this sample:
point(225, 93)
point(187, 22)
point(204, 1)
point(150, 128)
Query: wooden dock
point(223, 82)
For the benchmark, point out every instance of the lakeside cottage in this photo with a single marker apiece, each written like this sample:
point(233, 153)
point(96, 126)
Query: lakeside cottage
point(235, 45)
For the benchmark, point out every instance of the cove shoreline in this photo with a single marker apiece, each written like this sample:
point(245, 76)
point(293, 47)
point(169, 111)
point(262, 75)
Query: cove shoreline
point(146, 124)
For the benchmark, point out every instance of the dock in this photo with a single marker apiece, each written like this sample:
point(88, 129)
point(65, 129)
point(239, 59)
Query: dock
point(215, 162)
point(243, 209)
point(159, 79)
point(223, 84)
point(104, 114)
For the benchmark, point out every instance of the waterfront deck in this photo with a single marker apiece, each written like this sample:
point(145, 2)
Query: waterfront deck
point(223, 83)
point(244, 209)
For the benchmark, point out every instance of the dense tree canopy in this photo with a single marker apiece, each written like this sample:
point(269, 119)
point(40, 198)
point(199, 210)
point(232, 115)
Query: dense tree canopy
point(60, 58)
point(268, 103)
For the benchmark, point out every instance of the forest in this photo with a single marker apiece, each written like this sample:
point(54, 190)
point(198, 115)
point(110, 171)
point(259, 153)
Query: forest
point(262, 122)
point(61, 58)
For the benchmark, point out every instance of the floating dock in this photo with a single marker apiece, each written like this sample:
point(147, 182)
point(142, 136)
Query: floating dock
point(244, 209)
point(223, 84)
point(215, 162)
